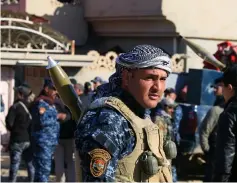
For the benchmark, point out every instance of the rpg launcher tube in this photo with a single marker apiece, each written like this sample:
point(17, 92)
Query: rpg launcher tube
point(64, 87)
point(204, 54)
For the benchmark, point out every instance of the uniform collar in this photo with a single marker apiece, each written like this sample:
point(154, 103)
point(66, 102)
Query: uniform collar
point(135, 107)
point(163, 113)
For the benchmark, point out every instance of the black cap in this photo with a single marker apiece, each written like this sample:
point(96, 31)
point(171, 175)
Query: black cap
point(25, 84)
point(169, 91)
point(25, 91)
point(230, 76)
point(216, 81)
point(97, 79)
point(49, 83)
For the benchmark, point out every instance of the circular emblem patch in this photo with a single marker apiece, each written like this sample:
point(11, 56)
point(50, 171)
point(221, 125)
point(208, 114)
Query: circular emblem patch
point(99, 161)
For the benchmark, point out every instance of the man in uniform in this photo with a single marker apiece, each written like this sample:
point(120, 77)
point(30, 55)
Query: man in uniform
point(45, 131)
point(115, 138)
point(97, 81)
point(164, 118)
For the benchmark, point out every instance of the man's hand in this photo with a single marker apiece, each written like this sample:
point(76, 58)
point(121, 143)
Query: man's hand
point(61, 116)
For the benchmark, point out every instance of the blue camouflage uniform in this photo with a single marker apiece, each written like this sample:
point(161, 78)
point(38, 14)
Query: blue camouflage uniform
point(167, 124)
point(106, 129)
point(45, 133)
point(178, 114)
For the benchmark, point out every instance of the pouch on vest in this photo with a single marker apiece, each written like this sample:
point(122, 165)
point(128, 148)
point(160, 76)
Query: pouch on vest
point(149, 163)
point(170, 149)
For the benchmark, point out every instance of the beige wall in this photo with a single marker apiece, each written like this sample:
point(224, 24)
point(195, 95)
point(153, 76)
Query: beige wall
point(195, 18)
point(42, 7)
point(103, 66)
point(126, 43)
point(66, 18)
point(204, 21)
point(128, 18)
point(198, 18)
point(202, 18)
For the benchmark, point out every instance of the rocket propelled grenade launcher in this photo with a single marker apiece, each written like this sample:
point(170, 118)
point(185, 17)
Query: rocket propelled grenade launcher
point(204, 54)
point(64, 87)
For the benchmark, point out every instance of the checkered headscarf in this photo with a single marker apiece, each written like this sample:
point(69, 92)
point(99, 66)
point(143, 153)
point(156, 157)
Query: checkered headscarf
point(141, 56)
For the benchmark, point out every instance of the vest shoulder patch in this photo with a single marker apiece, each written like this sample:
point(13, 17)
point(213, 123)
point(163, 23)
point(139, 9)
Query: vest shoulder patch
point(99, 161)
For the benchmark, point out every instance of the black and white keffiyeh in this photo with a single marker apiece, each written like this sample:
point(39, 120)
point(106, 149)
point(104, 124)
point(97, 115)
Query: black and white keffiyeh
point(140, 57)
point(143, 56)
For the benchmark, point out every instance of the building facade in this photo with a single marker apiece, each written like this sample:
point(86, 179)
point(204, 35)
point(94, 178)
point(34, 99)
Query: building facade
point(107, 25)
point(127, 23)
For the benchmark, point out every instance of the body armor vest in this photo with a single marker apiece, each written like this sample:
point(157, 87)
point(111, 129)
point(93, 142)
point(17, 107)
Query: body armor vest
point(147, 162)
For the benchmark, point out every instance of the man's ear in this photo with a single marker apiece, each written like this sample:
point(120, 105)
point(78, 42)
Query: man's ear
point(230, 87)
point(125, 78)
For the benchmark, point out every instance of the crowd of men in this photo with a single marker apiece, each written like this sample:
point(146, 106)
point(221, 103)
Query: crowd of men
point(41, 128)
point(128, 131)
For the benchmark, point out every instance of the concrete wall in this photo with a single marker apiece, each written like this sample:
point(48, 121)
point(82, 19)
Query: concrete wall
point(122, 8)
point(205, 22)
point(196, 18)
point(201, 18)
point(66, 18)
point(126, 43)
point(82, 75)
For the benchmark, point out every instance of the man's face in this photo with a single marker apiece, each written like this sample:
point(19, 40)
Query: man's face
point(78, 91)
point(218, 89)
point(172, 96)
point(169, 110)
point(96, 84)
point(146, 85)
point(51, 92)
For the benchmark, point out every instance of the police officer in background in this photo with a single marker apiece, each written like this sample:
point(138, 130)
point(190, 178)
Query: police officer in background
point(45, 130)
point(97, 81)
point(164, 118)
point(116, 140)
